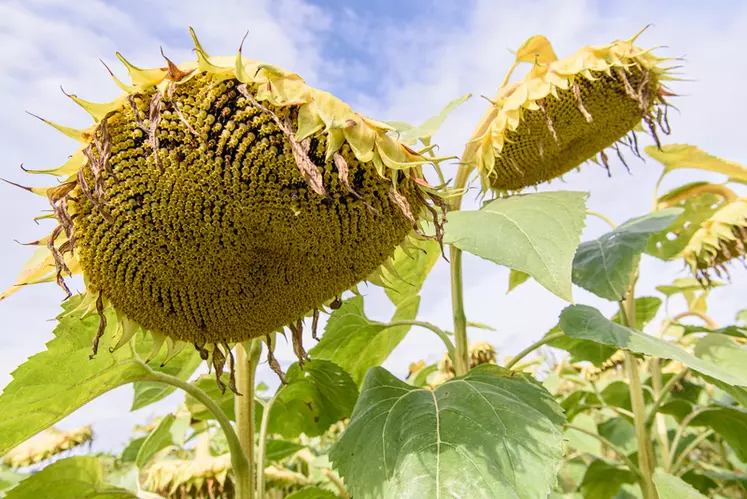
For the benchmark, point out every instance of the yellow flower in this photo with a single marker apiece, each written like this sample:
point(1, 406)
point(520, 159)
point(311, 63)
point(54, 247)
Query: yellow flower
point(223, 199)
point(721, 238)
point(46, 444)
point(567, 111)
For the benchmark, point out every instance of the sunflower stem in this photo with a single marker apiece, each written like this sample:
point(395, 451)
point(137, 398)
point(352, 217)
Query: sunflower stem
point(531, 348)
point(239, 462)
point(247, 357)
point(645, 451)
point(262, 451)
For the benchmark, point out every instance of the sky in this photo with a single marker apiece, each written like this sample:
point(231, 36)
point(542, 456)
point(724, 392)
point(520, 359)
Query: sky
point(391, 60)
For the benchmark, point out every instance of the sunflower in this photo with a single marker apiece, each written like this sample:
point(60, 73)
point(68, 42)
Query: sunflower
point(223, 199)
point(567, 111)
point(720, 239)
point(46, 444)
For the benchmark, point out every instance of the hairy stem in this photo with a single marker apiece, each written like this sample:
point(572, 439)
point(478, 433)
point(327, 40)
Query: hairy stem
point(261, 452)
point(531, 348)
point(645, 451)
point(247, 357)
point(461, 353)
point(239, 461)
point(611, 447)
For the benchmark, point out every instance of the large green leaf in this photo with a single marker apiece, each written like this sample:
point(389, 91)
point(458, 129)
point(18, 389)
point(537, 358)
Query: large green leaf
point(355, 343)
point(604, 266)
point(604, 479)
point(729, 355)
point(587, 323)
point(156, 440)
point(52, 384)
point(730, 423)
point(72, 478)
point(672, 487)
point(314, 399)
point(490, 433)
point(535, 233)
point(646, 308)
point(182, 366)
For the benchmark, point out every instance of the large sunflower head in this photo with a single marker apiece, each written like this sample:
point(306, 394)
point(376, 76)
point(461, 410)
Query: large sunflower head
point(222, 199)
point(720, 239)
point(567, 111)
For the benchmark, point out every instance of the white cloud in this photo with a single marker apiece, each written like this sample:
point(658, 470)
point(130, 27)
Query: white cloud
point(411, 68)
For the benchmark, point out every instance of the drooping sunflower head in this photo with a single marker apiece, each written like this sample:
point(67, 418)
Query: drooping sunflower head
point(567, 111)
point(222, 199)
point(46, 444)
point(720, 239)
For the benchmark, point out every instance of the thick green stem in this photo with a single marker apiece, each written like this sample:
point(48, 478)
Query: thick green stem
point(661, 425)
point(247, 358)
point(611, 447)
point(645, 452)
point(261, 452)
point(461, 354)
point(239, 462)
point(531, 348)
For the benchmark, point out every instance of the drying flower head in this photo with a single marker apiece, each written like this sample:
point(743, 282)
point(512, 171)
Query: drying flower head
point(567, 111)
point(224, 199)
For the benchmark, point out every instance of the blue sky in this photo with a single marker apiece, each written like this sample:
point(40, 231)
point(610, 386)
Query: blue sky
point(390, 59)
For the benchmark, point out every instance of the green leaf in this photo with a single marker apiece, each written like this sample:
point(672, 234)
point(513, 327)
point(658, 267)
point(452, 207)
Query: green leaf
point(535, 233)
point(9, 479)
point(355, 343)
point(515, 278)
point(646, 308)
point(72, 478)
point(729, 422)
point(182, 366)
point(742, 317)
point(672, 487)
point(621, 433)
point(685, 329)
point(730, 356)
point(490, 433)
point(584, 322)
point(278, 450)
point(129, 454)
point(581, 441)
point(314, 399)
point(432, 124)
point(311, 493)
point(604, 266)
point(603, 480)
point(156, 440)
point(411, 269)
point(54, 383)
point(675, 156)
point(225, 399)
point(420, 378)
point(669, 243)
point(684, 285)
